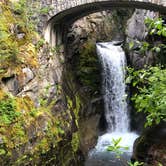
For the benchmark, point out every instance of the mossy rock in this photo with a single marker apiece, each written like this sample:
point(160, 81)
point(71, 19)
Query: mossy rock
point(150, 146)
point(88, 67)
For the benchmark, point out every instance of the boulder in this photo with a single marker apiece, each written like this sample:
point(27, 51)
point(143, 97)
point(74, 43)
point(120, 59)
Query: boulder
point(150, 147)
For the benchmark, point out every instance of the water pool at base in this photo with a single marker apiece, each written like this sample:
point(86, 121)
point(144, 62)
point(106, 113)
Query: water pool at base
point(99, 156)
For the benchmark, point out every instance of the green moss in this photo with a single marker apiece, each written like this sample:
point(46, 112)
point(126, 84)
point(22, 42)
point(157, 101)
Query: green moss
point(2, 152)
point(21, 160)
point(43, 146)
point(75, 141)
point(74, 106)
point(15, 52)
point(88, 67)
point(8, 113)
point(16, 135)
point(20, 121)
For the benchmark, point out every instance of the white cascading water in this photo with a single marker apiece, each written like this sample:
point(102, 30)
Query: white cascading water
point(113, 75)
point(113, 62)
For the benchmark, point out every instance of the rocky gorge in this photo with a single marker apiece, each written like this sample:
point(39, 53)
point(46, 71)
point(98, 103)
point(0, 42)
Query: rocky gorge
point(54, 94)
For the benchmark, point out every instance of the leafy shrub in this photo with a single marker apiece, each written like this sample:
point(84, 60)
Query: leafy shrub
point(150, 82)
point(136, 163)
point(8, 113)
point(151, 93)
point(156, 26)
point(116, 148)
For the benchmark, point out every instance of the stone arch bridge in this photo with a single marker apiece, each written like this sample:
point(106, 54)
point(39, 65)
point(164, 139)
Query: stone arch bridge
point(65, 12)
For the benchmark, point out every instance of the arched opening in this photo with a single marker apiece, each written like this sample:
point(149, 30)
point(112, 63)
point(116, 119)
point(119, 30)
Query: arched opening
point(57, 24)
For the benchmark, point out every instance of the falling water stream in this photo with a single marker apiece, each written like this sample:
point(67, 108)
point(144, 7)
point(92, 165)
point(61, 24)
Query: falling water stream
point(113, 62)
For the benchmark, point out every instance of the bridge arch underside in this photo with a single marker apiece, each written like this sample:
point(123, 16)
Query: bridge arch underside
point(57, 25)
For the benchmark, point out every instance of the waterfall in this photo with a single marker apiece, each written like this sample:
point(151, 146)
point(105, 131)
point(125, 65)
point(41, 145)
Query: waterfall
point(113, 62)
point(113, 76)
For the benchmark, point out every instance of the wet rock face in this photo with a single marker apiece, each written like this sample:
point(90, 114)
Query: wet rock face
point(136, 28)
point(88, 132)
point(137, 31)
point(102, 26)
point(150, 147)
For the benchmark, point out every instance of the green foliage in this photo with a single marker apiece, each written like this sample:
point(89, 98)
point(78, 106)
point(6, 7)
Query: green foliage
point(156, 26)
point(16, 51)
point(135, 163)
point(2, 152)
point(151, 96)
point(8, 113)
point(150, 83)
point(40, 43)
point(131, 45)
point(59, 128)
point(142, 46)
point(22, 117)
point(8, 47)
point(157, 29)
point(116, 148)
point(30, 12)
point(33, 112)
point(19, 7)
point(23, 12)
